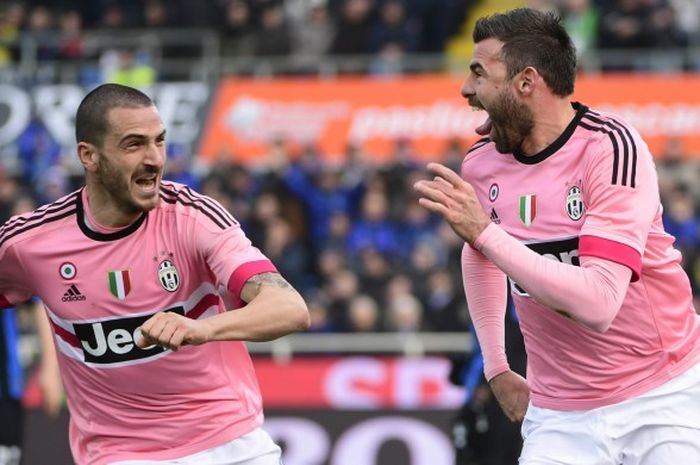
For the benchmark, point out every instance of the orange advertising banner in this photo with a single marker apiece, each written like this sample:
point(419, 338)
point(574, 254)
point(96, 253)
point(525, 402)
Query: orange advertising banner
point(247, 116)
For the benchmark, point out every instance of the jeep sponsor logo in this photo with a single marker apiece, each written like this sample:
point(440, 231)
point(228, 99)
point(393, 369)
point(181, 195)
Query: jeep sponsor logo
point(564, 251)
point(113, 341)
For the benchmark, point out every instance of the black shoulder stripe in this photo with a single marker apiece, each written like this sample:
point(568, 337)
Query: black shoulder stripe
point(626, 138)
point(616, 151)
point(480, 143)
point(211, 204)
point(45, 214)
point(613, 123)
point(38, 213)
point(205, 202)
point(45, 220)
point(625, 174)
point(610, 131)
point(204, 205)
point(633, 167)
point(173, 199)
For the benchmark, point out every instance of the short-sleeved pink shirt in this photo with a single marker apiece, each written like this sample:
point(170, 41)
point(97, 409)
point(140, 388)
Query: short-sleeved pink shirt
point(99, 285)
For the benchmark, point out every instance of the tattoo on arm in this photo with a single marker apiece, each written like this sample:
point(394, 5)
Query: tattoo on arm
point(253, 286)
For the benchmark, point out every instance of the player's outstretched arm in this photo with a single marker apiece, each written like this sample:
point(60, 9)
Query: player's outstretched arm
point(590, 294)
point(274, 309)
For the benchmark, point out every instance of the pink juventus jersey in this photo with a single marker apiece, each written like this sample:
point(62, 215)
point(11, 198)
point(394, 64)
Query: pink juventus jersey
point(592, 192)
point(100, 285)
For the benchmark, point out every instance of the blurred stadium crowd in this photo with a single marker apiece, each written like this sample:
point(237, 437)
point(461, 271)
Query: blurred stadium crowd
point(351, 237)
point(85, 40)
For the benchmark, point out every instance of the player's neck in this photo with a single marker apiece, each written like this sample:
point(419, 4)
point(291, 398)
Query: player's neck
point(551, 120)
point(104, 211)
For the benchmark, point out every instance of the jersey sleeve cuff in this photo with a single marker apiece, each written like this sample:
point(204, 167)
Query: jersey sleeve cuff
point(594, 246)
point(487, 233)
point(244, 272)
point(492, 372)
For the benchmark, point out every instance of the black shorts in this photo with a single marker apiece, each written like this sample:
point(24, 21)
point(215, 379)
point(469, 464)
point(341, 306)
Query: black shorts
point(10, 431)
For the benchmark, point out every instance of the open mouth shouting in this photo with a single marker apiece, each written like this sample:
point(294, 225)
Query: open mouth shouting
point(147, 184)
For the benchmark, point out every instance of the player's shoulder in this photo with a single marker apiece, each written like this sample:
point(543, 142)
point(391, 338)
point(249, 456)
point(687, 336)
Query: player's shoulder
point(483, 145)
point(182, 196)
point(608, 127)
point(620, 147)
point(470, 169)
point(480, 147)
point(182, 199)
point(49, 216)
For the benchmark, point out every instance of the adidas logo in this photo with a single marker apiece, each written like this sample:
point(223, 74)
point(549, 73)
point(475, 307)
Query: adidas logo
point(73, 294)
point(494, 216)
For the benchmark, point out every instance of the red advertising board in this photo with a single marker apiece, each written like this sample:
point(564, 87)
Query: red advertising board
point(358, 383)
point(247, 115)
point(361, 383)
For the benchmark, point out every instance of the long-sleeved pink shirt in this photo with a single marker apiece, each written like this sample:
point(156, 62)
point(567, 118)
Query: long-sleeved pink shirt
point(603, 303)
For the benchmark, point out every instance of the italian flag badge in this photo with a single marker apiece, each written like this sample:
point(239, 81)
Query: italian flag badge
point(528, 208)
point(119, 283)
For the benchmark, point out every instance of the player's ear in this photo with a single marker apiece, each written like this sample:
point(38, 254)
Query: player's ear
point(526, 79)
point(87, 153)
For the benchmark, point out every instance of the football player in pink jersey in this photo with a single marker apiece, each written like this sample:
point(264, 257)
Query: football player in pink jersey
point(150, 289)
point(561, 203)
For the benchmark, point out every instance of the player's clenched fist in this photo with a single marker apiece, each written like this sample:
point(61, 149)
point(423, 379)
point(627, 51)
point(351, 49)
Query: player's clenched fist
point(171, 331)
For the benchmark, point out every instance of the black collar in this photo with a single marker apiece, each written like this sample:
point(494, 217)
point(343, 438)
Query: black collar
point(552, 148)
point(104, 237)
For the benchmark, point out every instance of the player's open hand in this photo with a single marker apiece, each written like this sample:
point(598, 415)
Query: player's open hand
point(171, 331)
point(450, 196)
point(512, 393)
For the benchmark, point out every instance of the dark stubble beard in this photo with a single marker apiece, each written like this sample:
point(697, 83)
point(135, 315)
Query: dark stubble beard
point(512, 122)
point(116, 186)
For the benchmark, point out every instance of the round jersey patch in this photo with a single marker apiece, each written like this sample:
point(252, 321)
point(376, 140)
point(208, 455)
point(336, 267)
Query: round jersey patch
point(574, 203)
point(493, 192)
point(67, 270)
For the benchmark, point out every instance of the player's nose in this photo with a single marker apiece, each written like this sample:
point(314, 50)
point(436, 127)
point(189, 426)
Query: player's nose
point(467, 90)
point(155, 155)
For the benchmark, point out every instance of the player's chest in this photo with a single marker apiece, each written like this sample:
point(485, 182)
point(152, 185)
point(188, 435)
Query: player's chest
point(531, 204)
point(109, 280)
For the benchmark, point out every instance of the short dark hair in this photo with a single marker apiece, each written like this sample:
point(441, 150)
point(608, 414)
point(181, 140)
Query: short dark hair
point(533, 38)
point(91, 122)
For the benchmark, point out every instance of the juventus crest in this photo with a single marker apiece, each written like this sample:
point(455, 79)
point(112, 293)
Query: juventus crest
point(169, 278)
point(574, 203)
